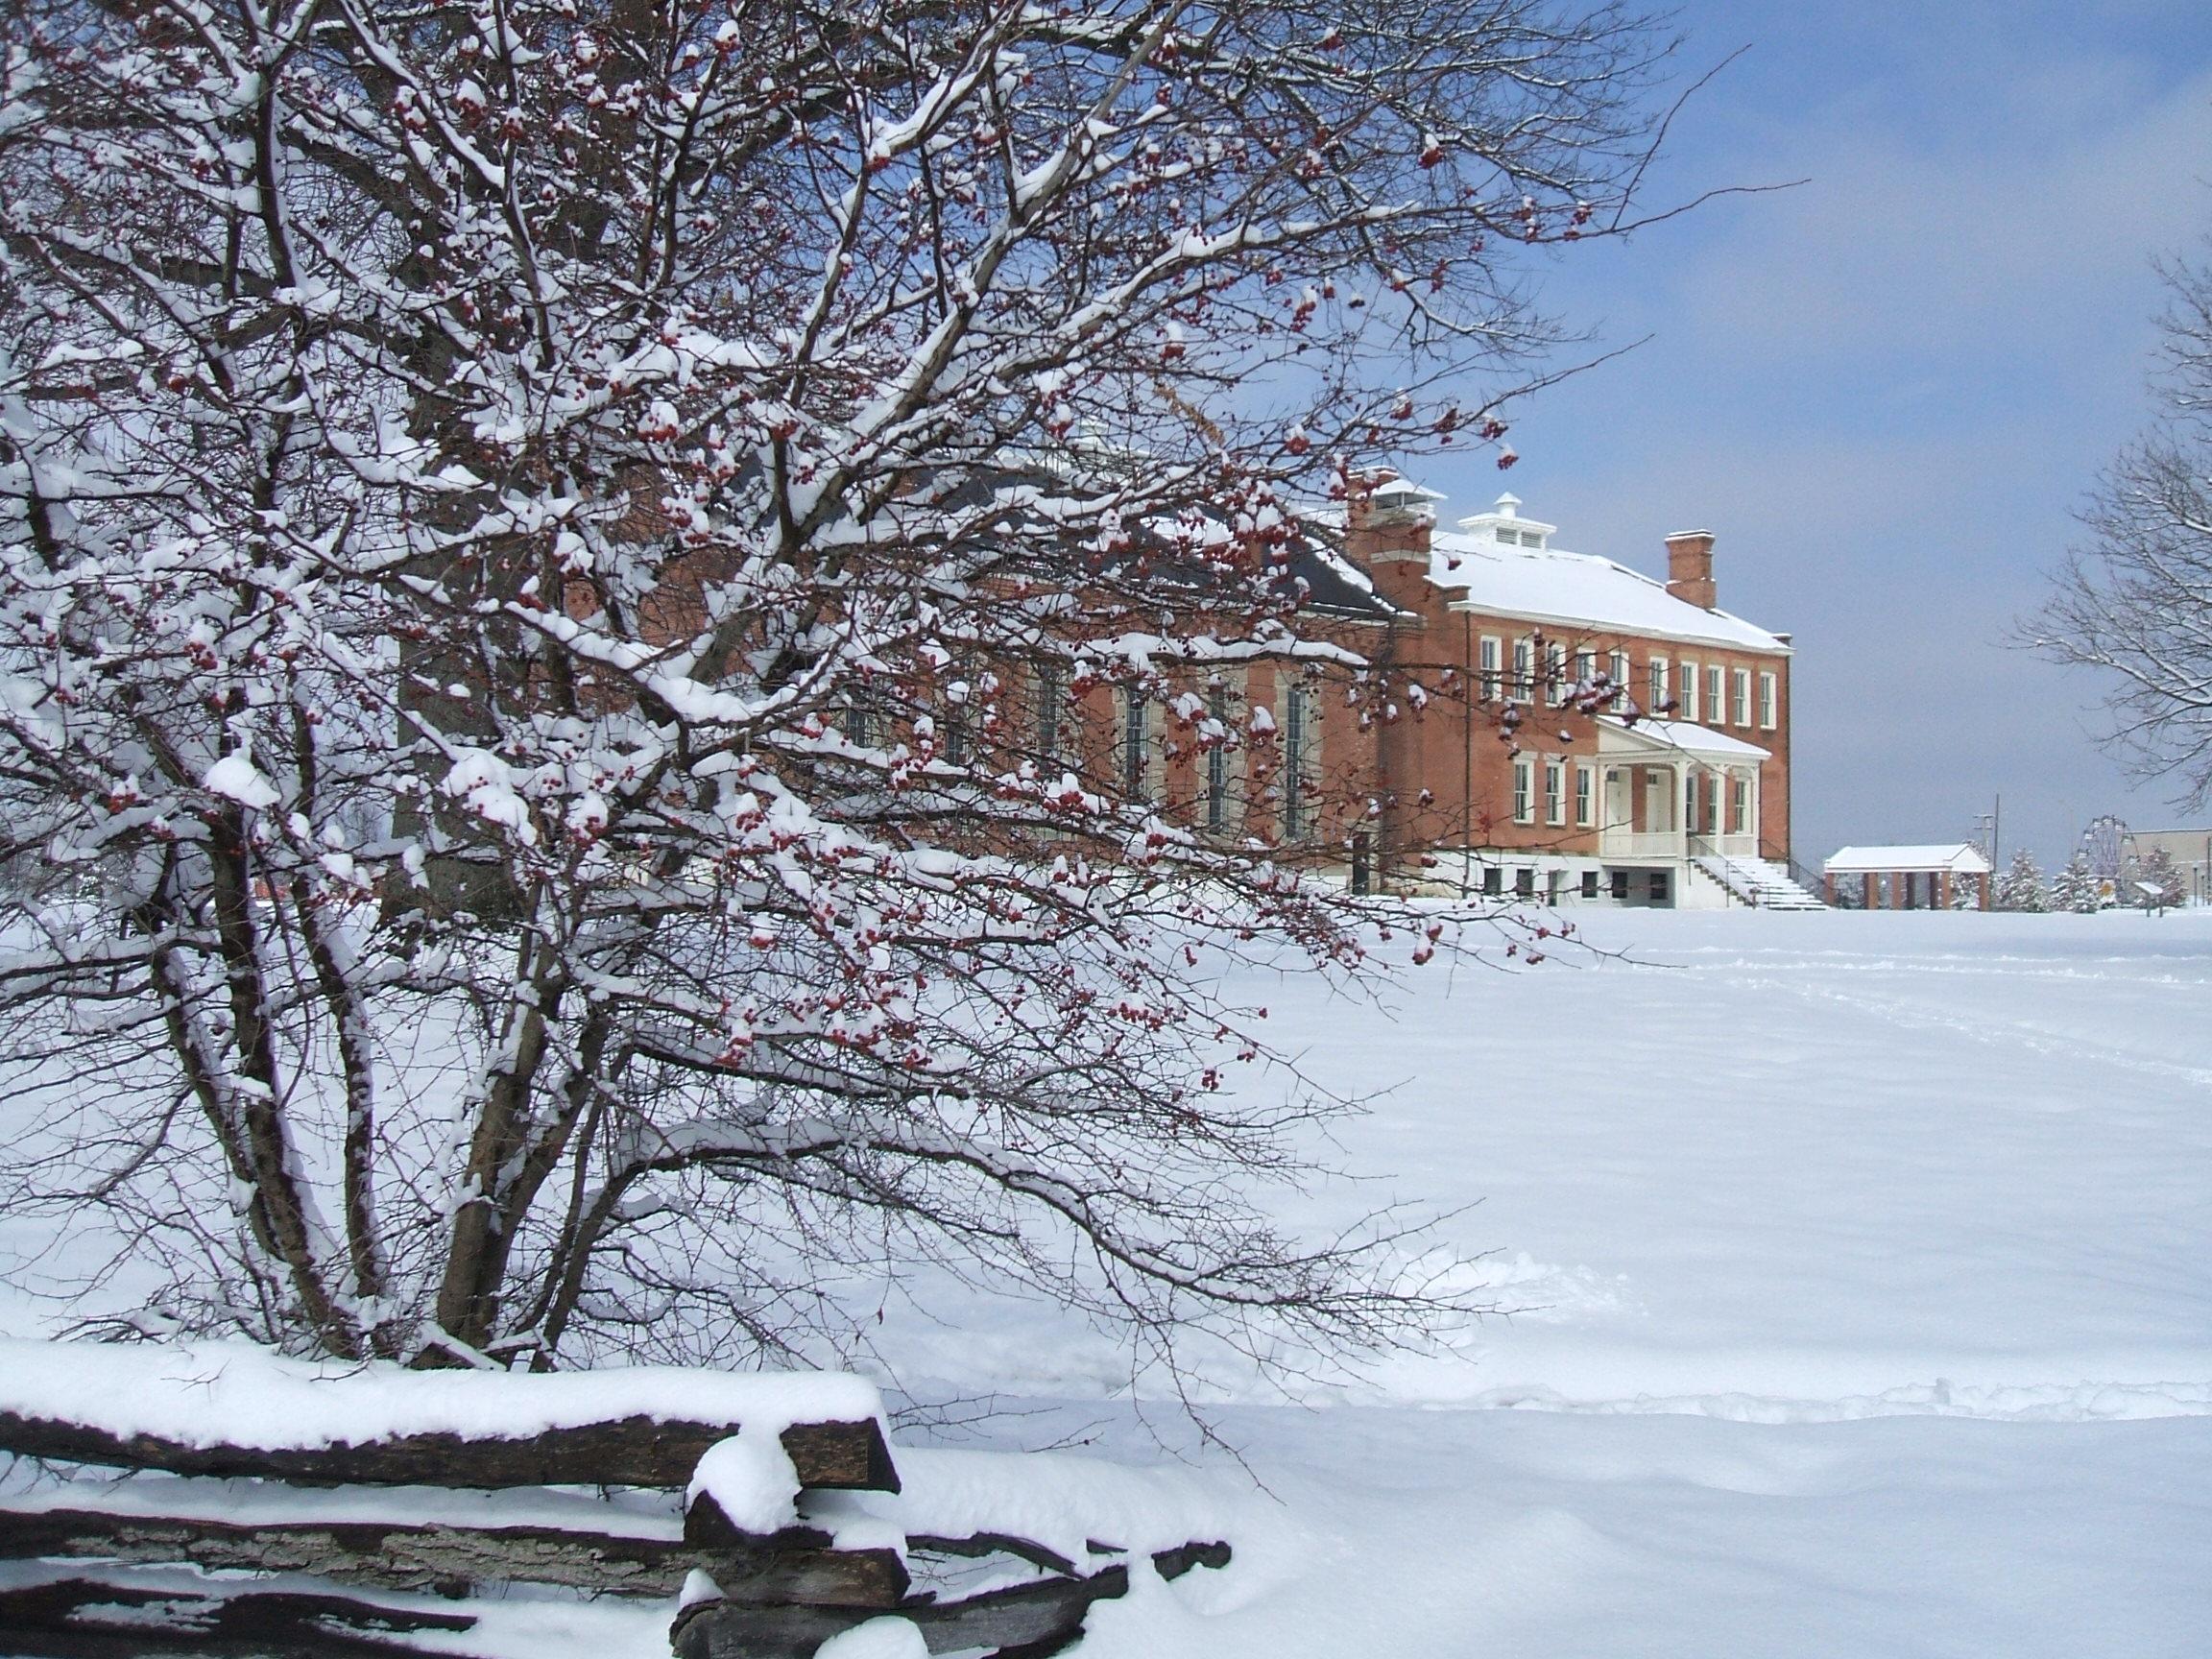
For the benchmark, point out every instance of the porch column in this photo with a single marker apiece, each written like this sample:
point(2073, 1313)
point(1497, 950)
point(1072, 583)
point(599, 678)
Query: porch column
point(1899, 889)
point(1866, 888)
point(1828, 881)
point(1946, 889)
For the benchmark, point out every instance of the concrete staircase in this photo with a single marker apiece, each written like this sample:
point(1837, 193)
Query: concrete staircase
point(1757, 881)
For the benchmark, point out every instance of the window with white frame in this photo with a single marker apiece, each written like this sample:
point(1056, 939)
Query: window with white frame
point(1524, 791)
point(1554, 793)
point(1297, 724)
point(1716, 693)
point(1619, 671)
point(1739, 804)
point(1661, 691)
point(958, 694)
point(1049, 690)
point(1555, 670)
point(1490, 651)
point(1585, 797)
point(1524, 669)
point(1218, 763)
point(1136, 760)
point(1740, 686)
point(859, 718)
point(1585, 665)
point(1686, 691)
point(1766, 689)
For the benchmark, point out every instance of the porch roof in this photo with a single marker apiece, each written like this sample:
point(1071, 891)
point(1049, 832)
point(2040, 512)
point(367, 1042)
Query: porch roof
point(1615, 737)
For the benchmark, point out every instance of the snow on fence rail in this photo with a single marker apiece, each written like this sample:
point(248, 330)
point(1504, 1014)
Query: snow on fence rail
point(226, 1409)
point(345, 1498)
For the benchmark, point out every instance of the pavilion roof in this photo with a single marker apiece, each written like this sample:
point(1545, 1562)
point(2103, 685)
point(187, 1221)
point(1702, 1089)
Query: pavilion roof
point(1959, 857)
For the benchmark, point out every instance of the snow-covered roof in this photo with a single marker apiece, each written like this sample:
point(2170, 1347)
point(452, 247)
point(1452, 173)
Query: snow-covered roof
point(1548, 584)
point(1683, 736)
point(1502, 563)
point(1959, 857)
point(1329, 581)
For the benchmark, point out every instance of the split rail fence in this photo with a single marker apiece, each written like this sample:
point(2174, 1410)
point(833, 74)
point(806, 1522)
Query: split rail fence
point(417, 1533)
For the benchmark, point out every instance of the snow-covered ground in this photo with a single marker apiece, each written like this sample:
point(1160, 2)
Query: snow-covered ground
point(1865, 1268)
point(1784, 1168)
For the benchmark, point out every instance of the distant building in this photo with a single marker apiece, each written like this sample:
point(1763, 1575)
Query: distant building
point(2190, 851)
point(1628, 741)
point(1469, 710)
point(1913, 878)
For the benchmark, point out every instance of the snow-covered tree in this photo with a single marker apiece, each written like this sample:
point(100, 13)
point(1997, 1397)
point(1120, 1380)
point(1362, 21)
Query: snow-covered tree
point(2135, 602)
point(2076, 887)
point(2021, 886)
point(559, 567)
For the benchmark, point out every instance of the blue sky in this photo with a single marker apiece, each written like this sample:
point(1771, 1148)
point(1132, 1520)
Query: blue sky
point(1889, 390)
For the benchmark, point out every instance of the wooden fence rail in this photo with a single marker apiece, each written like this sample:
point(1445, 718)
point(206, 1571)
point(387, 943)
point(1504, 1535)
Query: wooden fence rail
point(636, 1451)
point(365, 1545)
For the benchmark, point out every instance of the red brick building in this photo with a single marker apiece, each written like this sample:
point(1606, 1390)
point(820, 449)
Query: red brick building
point(1543, 723)
point(1470, 710)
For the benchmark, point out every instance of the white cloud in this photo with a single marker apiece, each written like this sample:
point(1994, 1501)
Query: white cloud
point(1899, 247)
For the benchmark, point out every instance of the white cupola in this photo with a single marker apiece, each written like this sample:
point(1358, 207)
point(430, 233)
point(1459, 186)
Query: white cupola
point(1503, 525)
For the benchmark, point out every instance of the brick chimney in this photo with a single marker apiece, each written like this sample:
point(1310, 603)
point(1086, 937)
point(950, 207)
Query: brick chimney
point(1690, 567)
point(1387, 525)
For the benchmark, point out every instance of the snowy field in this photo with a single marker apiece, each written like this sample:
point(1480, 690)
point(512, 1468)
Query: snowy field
point(1865, 1274)
point(1867, 1263)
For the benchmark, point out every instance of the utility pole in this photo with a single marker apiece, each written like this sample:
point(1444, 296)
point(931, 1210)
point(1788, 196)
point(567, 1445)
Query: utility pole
point(1985, 835)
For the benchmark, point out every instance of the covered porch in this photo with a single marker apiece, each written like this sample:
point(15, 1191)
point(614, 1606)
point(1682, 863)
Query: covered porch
point(1673, 791)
